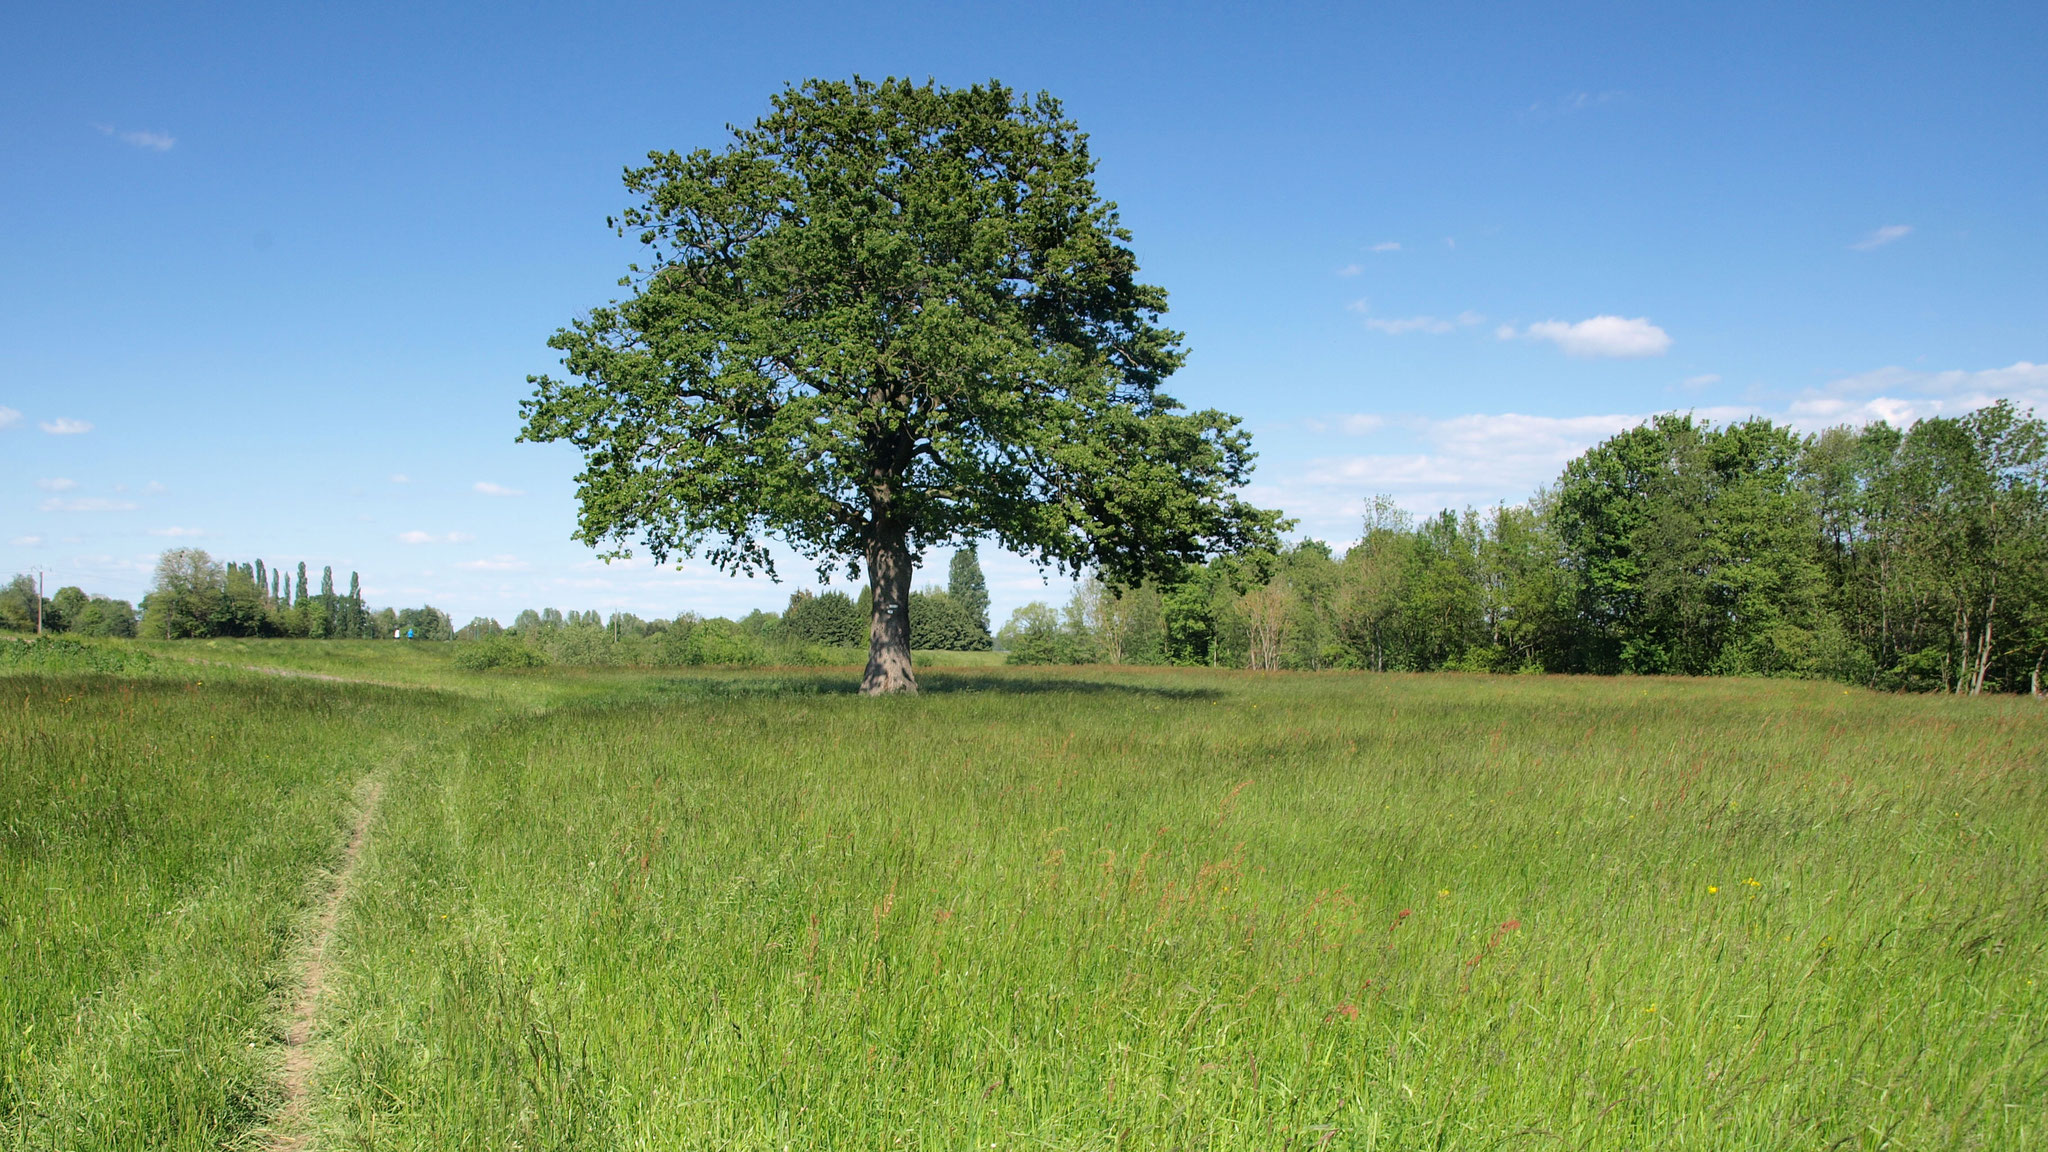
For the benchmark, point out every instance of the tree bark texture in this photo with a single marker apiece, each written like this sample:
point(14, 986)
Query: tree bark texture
point(889, 627)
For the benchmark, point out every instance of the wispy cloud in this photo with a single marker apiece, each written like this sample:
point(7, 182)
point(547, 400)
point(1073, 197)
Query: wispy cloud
point(400, 478)
point(418, 537)
point(27, 541)
point(1350, 270)
point(1703, 380)
point(1480, 458)
point(147, 141)
point(8, 416)
point(1386, 246)
point(1882, 237)
point(496, 564)
point(1433, 325)
point(1899, 396)
point(66, 426)
point(1569, 103)
point(56, 484)
point(87, 504)
point(1598, 337)
point(490, 489)
point(174, 530)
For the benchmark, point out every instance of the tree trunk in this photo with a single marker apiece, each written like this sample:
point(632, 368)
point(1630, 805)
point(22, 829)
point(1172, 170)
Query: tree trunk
point(889, 628)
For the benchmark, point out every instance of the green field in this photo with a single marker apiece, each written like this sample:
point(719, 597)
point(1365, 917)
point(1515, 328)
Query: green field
point(1083, 908)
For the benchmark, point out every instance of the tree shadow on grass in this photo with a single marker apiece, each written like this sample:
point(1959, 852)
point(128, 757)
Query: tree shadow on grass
point(930, 683)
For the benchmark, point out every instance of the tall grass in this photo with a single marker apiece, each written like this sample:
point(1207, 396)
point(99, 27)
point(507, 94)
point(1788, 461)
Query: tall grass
point(1150, 910)
point(160, 838)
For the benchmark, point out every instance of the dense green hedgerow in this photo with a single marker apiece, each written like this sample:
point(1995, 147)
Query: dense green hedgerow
point(61, 654)
point(498, 652)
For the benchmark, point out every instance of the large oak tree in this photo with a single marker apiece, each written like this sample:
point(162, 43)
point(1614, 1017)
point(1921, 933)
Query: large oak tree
point(885, 317)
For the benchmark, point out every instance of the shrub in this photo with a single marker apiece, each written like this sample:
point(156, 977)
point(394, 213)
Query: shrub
point(497, 652)
point(61, 654)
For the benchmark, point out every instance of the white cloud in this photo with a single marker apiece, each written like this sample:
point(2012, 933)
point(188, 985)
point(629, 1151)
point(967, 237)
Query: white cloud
point(27, 541)
point(88, 504)
point(460, 537)
point(1882, 237)
point(1360, 423)
point(1603, 336)
point(1701, 381)
point(496, 564)
point(8, 416)
point(1900, 396)
point(1386, 246)
point(417, 537)
point(147, 141)
point(65, 426)
point(400, 478)
point(56, 484)
point(174, 530)
point(490, 489)
point(1350, 270)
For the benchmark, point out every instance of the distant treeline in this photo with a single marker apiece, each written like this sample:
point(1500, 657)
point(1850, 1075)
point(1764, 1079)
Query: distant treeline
point(816, 628)
point(194, 595)
point(1912, 560)
point(70, 610)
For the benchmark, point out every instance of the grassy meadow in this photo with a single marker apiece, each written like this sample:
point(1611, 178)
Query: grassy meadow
point(1079, 908)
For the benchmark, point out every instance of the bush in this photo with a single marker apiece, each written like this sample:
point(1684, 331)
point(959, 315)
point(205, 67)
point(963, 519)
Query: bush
point(1035, 635)
point(497, 652)
point(59, 654)
point(940, 623)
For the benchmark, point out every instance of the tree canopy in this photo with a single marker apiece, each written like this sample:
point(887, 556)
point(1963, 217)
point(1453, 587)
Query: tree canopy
point(889, 316)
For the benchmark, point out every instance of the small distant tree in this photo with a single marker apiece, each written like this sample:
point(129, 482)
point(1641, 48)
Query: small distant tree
point(968, 587)
point(185, 595)
point(19, 602)
point(889, 317)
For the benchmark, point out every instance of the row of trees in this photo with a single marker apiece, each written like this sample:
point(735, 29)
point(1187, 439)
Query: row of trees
point(953, 618)
point(194, 595)
point(23, 608)
point(1913, 559)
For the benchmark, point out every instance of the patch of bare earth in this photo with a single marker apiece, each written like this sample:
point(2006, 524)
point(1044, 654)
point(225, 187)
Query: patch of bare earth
point(290, 1131)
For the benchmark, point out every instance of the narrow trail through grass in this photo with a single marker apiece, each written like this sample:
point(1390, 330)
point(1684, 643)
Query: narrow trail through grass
point(291, 1130)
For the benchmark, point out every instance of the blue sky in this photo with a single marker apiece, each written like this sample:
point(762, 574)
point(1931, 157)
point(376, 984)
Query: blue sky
point(271, 280)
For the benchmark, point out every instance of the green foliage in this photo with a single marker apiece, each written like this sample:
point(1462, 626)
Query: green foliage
point(1036, 634)
point(498, 652)
point(18, 604)
point(887, 317)
point(828, 618)
point(940, 623)
point(1914, 559)
point(968, 587)
point(63, 654)
point(425, 623)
